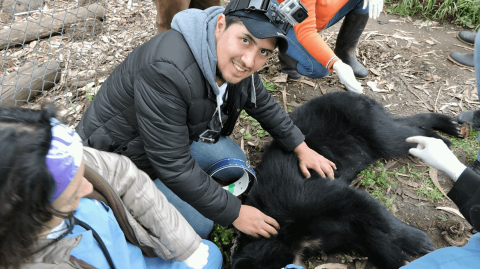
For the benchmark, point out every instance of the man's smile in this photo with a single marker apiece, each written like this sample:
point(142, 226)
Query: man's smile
point(239, 68)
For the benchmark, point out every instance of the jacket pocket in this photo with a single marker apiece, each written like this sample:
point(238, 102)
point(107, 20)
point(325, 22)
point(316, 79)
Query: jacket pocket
point(122, 149)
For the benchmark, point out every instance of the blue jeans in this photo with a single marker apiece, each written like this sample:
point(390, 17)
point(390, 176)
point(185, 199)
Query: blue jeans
point(476, 63)
point(451, 257)
point(206, 155)
point(293, 266)
point(307, 65)
point(215, 260)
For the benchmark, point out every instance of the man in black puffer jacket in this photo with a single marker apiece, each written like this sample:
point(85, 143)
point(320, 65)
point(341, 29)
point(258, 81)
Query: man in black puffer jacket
point(171, 89)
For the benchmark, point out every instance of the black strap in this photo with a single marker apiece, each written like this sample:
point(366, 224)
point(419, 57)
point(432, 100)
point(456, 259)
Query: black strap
point(99, 241)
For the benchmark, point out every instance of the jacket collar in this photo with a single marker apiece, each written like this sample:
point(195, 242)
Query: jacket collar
point(56, 253)
point(211, 93)
point(241, 84)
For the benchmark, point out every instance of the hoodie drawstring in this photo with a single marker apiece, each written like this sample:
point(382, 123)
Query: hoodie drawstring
point(253, 99)
point(219, 100)
point(253, 94)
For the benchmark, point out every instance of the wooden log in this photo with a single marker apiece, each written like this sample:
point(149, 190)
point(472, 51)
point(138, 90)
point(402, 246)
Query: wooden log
point(26, 31)
point(30, 80)
point(78, 83)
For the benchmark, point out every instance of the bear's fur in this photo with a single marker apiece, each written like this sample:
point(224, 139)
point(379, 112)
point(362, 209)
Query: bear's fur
point(318, 214)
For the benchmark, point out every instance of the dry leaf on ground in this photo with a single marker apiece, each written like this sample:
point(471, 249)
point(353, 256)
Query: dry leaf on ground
point(311, 83)
point(434, 176)
point(281, 78)
point(451, 210)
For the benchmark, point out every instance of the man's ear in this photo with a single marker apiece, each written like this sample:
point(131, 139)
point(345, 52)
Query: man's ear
point(221, 24)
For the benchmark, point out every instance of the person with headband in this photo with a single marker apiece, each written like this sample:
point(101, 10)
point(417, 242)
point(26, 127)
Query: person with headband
point(309, 55)
point(465, 194)
point(64, 205)
point(172, 104)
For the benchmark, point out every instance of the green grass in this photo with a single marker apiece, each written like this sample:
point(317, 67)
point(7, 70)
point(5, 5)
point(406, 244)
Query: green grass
point(91, 92)
point(270, 86)
point(467, 147)
point(463, 12)
point(376, 176)
point(429, 190)
point(378, 181)
point(256, 130)
point(223, 238)
point(427, 187)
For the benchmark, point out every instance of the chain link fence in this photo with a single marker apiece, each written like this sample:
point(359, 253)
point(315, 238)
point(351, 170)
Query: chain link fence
point(61, 51)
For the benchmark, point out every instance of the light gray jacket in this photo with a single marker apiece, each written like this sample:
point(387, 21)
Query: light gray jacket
point(147, 219)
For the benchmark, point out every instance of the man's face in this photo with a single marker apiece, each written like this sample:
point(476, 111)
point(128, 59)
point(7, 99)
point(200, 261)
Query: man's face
point(239, 53)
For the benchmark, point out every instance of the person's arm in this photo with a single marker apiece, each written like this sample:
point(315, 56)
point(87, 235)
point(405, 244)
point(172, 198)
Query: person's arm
point(307, 32)
point(146, 204)
point(466, 195)
point(466, 190)
point(276, 121)
point(161, 101)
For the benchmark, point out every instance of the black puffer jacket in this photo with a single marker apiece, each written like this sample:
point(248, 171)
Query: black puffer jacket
point(466, 195)
point(157, 102)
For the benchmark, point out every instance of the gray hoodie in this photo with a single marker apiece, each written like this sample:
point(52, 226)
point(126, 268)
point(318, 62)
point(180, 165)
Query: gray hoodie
point(198, 29)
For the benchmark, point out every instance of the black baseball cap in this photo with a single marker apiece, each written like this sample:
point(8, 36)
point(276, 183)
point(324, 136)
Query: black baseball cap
point(260, 26)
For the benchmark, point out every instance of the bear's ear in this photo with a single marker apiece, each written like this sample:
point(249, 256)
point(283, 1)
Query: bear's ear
point(242, 263)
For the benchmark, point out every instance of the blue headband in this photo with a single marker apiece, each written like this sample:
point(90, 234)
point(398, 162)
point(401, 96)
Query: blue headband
point(64, 157)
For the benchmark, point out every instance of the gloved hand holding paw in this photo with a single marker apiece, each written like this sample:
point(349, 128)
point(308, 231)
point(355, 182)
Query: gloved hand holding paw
point(434, 152)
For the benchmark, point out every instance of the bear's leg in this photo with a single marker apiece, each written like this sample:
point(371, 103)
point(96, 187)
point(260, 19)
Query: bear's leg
point(410, 239)
point(433, 121)
point(391, 142)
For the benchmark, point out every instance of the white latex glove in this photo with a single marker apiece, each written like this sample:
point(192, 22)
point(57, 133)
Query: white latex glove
point(434, 152)
point(375, 7)
point(346, 76)
point(199, 258)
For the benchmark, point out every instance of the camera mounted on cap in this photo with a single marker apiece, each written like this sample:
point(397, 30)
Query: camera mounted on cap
point(282, 16)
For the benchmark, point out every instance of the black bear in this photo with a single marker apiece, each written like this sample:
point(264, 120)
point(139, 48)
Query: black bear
point(318, 214)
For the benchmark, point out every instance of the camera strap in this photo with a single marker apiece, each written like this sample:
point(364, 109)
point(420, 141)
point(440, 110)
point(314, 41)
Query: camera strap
point(241, 185)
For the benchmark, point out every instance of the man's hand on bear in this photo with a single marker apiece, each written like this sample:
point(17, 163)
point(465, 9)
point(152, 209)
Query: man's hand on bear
point(310, 159)
point(253, 222)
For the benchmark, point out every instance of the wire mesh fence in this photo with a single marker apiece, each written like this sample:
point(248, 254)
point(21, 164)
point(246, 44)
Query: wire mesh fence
point(61, 51)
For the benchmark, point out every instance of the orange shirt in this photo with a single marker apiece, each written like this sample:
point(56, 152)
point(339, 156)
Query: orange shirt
point(320, 12)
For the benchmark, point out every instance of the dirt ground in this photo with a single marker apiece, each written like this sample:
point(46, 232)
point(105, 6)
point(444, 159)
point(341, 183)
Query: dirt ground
point(407, 58)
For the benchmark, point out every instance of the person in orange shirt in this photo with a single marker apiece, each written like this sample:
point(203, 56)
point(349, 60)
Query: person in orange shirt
point(309, 55)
